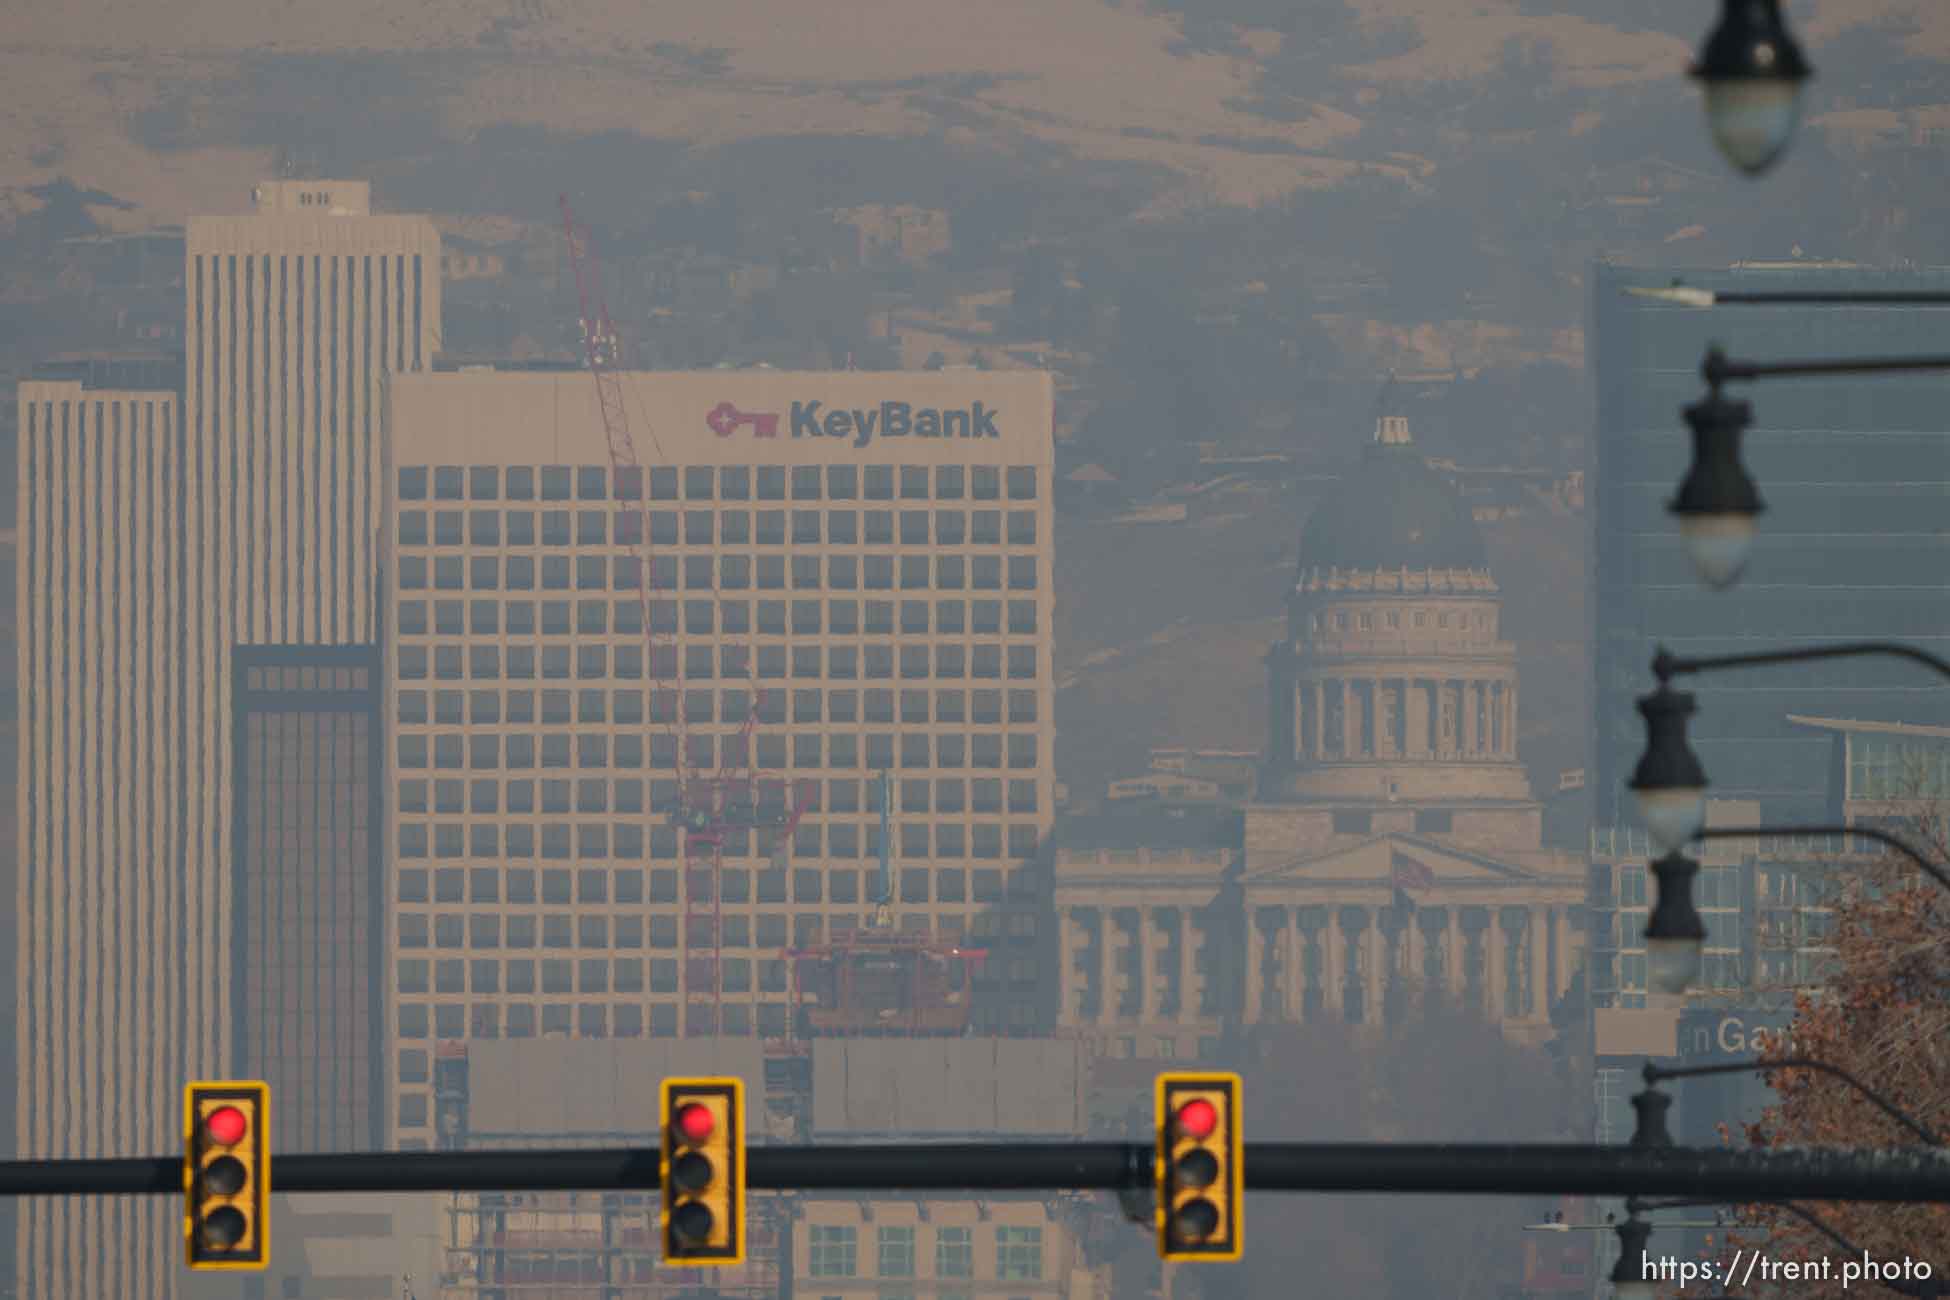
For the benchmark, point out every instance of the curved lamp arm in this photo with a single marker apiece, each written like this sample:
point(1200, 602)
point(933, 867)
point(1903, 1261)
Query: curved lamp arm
point(1667, 665)
point(1895, 842)
point(1654, 1073)
point(1717, 368)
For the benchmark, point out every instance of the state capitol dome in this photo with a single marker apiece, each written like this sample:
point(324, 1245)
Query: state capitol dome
point(1394, 684)
point(1392, 513)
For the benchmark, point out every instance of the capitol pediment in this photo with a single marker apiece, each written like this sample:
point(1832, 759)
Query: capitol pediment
point(1410, 862)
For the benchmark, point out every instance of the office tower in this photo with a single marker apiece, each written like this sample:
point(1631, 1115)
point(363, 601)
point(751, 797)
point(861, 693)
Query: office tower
point(864, 558)
point(1854, 471)
point(309, 961)
point(297, 313)
point(117, 953)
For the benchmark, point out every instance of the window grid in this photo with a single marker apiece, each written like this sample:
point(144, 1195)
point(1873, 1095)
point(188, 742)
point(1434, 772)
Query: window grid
point(527, 736)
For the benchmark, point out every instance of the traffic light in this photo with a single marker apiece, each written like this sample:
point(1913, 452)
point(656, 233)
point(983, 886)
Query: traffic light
point(227, 1175)
point(703, 1171)
point(1201, 1167)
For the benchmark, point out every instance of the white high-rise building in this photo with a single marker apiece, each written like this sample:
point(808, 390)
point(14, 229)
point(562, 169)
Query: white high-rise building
point(263, 533)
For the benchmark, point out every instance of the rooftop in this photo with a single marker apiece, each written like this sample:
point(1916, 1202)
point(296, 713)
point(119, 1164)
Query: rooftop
point(1848, 725)
point(1149, 826)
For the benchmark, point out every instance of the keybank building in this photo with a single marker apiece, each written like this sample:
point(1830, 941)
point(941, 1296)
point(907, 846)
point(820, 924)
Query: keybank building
point(862, 560)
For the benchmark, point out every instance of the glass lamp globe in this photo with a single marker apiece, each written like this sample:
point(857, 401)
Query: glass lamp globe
point(1718, 546)
point(1752, 119)
point(1673, 965)
point(1672, 816)
point(1752, 71)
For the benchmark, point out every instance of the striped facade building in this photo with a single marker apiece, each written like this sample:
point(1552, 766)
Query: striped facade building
point(116, 960)
point(295, 316)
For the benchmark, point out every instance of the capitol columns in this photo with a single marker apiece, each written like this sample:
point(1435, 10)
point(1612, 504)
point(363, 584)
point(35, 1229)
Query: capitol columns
point(1072, 982)
point(1108, 999)
point(1255, 964)
point(1147, 942)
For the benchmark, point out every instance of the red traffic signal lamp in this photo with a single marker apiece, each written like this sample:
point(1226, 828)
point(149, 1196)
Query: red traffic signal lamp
point(227, 1175)
point(703, 1171)
point(1201, 1175)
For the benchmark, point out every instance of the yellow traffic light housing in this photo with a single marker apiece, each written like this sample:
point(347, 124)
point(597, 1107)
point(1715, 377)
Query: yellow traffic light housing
point(227, 1175)
point(1201, 1176)
point(703, 1171)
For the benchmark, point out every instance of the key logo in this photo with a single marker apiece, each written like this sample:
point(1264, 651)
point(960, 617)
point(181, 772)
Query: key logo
point(726, 419)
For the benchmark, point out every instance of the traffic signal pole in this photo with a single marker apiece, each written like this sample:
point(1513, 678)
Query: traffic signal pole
point(1480, 1169)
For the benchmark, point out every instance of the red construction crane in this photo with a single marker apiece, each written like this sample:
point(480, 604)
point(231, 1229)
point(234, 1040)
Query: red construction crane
point(709, 806)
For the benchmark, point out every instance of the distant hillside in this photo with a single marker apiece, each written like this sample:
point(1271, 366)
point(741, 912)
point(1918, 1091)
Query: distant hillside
point(168, 102)
point(1439, 174)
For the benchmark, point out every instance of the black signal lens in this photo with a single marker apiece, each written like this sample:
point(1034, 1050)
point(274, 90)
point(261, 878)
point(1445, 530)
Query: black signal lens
point(1195, 1221)
point(1197, 1169)
point(692, 1222)
point(224, 1176)
point(223, 1227)
point(692, 1173)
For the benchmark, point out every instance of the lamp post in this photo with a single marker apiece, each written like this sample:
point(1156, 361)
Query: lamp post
point(1717, 504)
point(1654, 1074)
point(1881, 836)
point(1652, 1133)
point(1752, 71)
point(1667, 665)
point(1675, 933)
point(1669, 784)
point(1684, 295)
point(1719, 369)
point(1629, 1278)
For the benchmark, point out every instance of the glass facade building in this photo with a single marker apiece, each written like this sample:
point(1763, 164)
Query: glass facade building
point(309, 953)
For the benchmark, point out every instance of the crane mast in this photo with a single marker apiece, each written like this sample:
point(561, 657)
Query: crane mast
point(708, 807)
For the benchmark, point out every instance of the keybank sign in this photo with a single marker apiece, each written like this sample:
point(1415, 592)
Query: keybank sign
point(860, 426)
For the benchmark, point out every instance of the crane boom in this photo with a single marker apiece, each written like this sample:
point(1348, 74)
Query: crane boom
point(708, 808)
point(603, 353)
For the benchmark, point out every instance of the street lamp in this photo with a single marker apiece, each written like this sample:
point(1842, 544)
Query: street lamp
point(1667, 665)
point(1670, 786)
point(1628, 1276)
point(1651, 1133)
point(1896, 842)
point(1652, 1115)
point(1669, 783)
point(1685, 295)
point(1717, 503)
point(1675, 935)
point(1752, 70)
